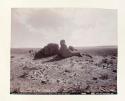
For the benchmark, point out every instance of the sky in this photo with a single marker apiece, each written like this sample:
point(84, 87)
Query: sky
point(36, 27)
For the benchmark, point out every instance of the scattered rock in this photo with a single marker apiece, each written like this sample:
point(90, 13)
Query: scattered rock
point(15, 91)
point(43, 81)
point(60, 90)
point(82, 67)
point(94, 78)
point(104, 76)
point(72, 48)
point(25, 68)
point(115, 71)
point(59, 75)
point(88, 55)
point(58, 81)
point(113, 57)
point(24, 75)
point(68, 71)
point(21, 58)
point(12, 56)
point(74, 74)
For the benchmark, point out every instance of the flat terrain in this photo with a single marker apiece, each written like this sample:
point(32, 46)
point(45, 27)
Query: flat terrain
point(90, 74)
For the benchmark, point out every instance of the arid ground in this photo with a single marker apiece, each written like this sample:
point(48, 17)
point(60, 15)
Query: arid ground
point(94, 73)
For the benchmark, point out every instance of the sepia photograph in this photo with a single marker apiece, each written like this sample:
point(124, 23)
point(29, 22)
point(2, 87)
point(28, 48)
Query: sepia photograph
point(63, 51)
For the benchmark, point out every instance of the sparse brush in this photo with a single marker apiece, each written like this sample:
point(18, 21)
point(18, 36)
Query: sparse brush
point(15, 91)
point(77, 89)
point(24, 75)
point(68, 71)
point(104, 76)
point(12, 56)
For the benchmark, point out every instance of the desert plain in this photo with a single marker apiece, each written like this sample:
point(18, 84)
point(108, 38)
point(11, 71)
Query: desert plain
point(93, 73)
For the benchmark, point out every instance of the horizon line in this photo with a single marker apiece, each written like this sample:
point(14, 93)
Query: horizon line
point(74, 46)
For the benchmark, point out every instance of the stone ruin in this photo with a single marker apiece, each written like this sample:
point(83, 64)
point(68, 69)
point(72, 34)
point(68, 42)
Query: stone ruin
point(52, 49)
point(72, 48)
point(48, 50)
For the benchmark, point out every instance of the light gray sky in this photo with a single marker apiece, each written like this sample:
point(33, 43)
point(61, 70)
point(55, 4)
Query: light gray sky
point(78, 26)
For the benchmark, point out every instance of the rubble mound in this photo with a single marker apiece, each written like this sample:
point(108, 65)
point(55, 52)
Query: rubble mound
point(72, 48)
point(48, 50)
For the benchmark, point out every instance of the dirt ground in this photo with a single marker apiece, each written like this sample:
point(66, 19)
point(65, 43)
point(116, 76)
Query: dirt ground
point(94, 74)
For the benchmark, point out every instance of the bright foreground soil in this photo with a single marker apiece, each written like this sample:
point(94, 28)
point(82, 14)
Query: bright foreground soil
point(74, 75)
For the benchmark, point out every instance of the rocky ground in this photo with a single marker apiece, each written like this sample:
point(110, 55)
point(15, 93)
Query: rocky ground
point(94, 74)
